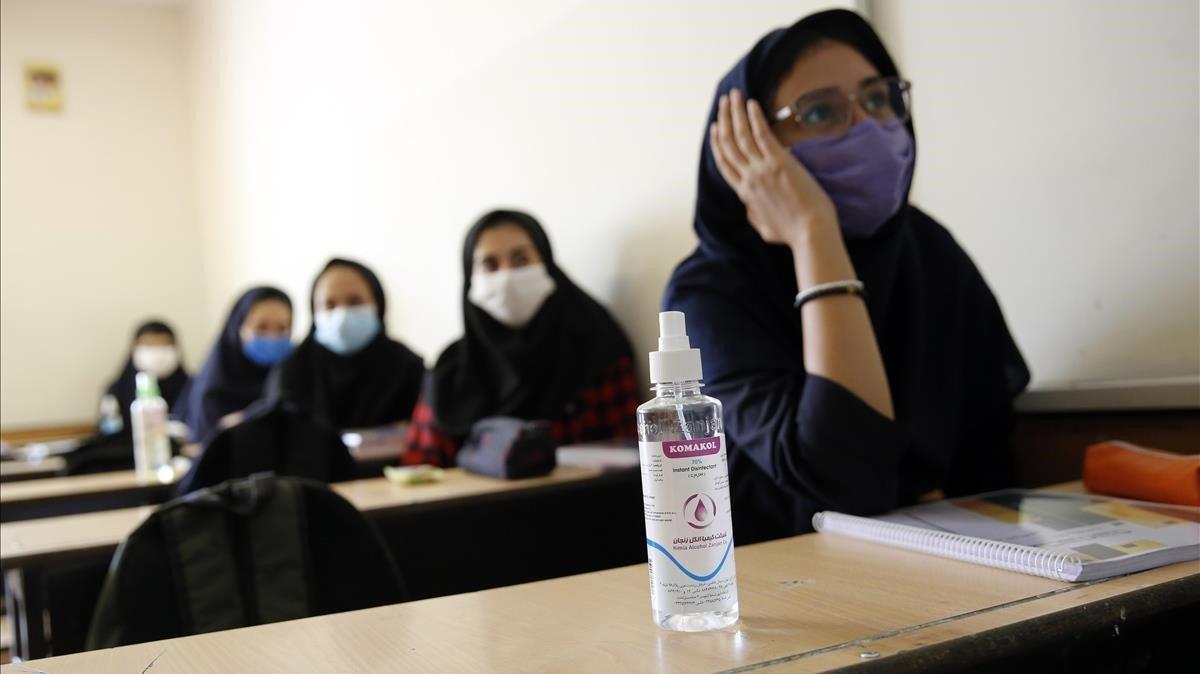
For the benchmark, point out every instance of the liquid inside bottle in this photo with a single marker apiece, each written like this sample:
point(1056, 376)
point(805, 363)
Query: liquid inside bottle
point(685, 492)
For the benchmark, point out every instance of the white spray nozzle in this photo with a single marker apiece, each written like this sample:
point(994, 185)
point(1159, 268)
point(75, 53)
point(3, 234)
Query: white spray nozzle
point(675, 360)
point(672, 331)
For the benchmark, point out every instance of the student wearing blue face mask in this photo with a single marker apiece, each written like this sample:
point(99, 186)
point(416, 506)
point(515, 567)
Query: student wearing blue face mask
point(348, 373)
point(862, 359)
point(256, 336)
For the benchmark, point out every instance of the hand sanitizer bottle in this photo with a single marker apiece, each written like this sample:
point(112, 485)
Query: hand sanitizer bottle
point(685, 491)
point(148, 419)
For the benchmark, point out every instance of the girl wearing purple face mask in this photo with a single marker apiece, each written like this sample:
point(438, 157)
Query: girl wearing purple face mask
point(862, 359)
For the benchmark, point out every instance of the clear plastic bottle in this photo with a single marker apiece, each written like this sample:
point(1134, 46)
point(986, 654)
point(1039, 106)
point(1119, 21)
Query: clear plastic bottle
point(685, 491)
point(148, 419)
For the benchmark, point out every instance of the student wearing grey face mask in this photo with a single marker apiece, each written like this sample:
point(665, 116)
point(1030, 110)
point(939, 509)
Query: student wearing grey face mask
point(536, 347)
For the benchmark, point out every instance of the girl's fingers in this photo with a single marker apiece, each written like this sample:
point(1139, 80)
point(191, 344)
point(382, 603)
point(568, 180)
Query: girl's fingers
point(742, 135)
point(727, 171)
point(760, 128)
point(733, 154)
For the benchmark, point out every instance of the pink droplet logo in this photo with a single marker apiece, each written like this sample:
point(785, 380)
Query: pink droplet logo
point(699, 511)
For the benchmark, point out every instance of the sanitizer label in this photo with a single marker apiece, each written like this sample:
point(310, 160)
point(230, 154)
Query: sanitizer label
point(689, 531)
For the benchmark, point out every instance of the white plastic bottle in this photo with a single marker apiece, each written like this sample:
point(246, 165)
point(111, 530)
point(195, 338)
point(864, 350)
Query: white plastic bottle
point(148, 419)
point(685, 491)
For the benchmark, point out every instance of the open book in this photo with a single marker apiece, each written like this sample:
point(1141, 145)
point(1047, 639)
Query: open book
point(1072, 537)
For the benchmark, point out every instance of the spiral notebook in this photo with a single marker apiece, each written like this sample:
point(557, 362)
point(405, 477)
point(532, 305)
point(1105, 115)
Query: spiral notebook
point(1071, 537)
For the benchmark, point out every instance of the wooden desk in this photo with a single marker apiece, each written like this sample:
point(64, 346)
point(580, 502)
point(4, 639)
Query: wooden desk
point(809, 603)
point(65, 495)
point(52, 539)
point(1050, 446)
point(434, 531)
point(22, 436)
point(14, 471)
point(41, 494)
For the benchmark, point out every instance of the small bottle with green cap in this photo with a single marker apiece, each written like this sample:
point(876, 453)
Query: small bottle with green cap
point(148, 417)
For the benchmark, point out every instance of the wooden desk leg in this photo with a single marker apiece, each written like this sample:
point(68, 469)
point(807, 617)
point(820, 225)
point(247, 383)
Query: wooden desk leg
point(23, 601)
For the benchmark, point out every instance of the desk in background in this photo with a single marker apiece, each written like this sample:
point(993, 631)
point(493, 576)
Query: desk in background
point(1055, 424)
point(16, 471)
point(32, 454)
point(435, 531)
point(808, 603)
point(80, 493)
point(1050, 446)
point(36, 453)
point(23, 436)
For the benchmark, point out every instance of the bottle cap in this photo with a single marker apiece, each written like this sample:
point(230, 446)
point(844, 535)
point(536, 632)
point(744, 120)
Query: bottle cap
point(147, 386)
point(676, 360)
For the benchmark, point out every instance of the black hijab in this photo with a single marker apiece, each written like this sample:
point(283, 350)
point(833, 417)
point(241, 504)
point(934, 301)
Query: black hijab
point(949, 357)
point(229, 381)
point(720, 222)
point(124, 387)
point(531, 372)
point(374, 386)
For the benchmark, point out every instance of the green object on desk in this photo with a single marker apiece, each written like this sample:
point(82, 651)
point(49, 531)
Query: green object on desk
point(408, 475)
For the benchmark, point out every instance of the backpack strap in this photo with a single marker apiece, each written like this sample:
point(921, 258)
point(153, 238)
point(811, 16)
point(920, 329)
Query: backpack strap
point(206, 573)
point(277, 547)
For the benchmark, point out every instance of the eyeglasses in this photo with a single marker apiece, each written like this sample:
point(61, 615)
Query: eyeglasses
point(828, 112)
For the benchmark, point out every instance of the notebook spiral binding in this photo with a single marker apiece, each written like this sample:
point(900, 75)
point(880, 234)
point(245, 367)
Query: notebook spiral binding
point(1009, 556)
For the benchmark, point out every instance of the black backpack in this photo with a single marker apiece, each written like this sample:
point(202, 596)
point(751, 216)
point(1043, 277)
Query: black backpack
point(273, 438)
point(247, 552)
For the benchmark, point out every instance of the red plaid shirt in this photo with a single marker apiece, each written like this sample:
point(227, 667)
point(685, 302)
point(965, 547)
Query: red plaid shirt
point(605, 411)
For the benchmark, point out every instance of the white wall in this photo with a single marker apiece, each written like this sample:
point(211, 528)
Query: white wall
point(381, 130)
point(1059, 142)
point(96, 230)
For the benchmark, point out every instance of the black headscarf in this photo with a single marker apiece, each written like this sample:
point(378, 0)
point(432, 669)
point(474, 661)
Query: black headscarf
point(721, 224)
point(531, 372)
point(952, 365)
point(229, 381)
point(374, 386)
point(124, 387)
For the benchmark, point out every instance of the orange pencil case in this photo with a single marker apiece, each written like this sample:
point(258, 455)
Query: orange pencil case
point(1123, 469)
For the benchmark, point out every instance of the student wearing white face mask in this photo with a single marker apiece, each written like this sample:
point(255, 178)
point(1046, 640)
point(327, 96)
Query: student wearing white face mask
point(348, 373)
point(154, 351)
point(536, 347)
